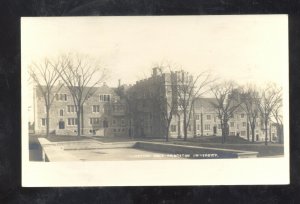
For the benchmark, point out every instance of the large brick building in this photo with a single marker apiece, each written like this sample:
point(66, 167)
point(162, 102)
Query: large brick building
point(103, 113)
point(137, 112)
point(151, 97)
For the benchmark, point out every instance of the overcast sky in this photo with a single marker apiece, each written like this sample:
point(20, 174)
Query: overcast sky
point(244, 48)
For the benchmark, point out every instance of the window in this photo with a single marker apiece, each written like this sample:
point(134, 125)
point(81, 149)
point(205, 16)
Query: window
point(244, 124)
point(237, 126)
point(197, 117)
point(105, 97)
point(242, 115)
point(71, 109)
point(123, 122)
point(43, 121)
point(96, 108)
point(61, 112)
point(273, 136)
point(61, 97)
point(105, 123)
point(94, 121)
point(208, 117)
point(173, 128)
point(198, 127)
point(114, 121)
point(72, 121)
point(219, 126)
point(207, 127)
point(243, 133)
point(231, 124)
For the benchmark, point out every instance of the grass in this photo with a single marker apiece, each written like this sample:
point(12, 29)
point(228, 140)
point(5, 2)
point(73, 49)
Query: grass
point(263, 151)
point(218, 139)
point(232, 142)
point(57, 138)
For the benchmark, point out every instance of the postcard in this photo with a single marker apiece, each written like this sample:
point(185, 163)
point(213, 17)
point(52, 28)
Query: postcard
point(155, 100)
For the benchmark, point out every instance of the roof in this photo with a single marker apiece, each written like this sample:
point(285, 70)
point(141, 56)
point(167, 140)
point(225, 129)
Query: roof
point(204, 102)
point(64, 89)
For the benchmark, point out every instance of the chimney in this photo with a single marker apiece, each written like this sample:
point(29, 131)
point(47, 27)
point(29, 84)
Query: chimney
point(154, 71)
point(119, 82)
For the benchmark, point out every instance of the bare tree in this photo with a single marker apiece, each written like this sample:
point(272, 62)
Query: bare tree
point(270, 97)
point(250, 102)
point(81, 74)
point(45, 77)
point(188, 90)
point(227, 102)
point(277, 116)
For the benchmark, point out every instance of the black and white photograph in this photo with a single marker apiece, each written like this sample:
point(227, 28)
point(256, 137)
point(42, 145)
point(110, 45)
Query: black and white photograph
point(155, 100)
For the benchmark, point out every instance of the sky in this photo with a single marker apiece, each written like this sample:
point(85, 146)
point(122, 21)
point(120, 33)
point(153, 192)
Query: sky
point(244, 48)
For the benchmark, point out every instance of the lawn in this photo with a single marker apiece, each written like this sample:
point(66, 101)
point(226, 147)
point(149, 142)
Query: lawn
point(232, 142)
point(263, 151)
point(57, 138)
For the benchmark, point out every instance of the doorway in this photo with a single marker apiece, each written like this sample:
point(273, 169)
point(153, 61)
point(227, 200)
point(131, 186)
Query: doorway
point(61, 124)
point(215, 130)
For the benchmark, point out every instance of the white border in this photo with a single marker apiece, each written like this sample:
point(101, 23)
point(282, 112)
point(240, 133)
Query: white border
point(150, 173)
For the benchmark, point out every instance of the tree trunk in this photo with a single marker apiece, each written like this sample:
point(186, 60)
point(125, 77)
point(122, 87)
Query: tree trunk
point(129, 132)
point(47, 122)
point(184, 126)
point(248, 135)
point(82, 121)
point(266, 132)
point(253, 132)
point(168, 132)
point(78, 122)
point(185, 131)
point(270, 133)
point(225, 131)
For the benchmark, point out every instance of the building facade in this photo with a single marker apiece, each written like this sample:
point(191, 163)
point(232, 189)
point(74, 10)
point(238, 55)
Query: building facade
point(140, 110)
point(103, 113)
point(153, 98)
